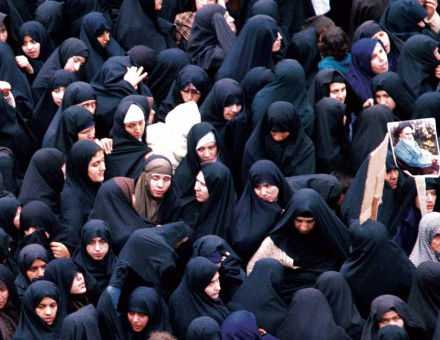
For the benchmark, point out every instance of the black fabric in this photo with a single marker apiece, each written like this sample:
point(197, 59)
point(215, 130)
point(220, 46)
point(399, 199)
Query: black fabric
point(391, 332)
point(252, 47)
point(322, 249)
point(190, 165)
point(50, 14)
point(256, 78)
point(81, 325)
point(414, 325)
point(100, 270)
point(308, 305)
point(189, 301)
point(31, 326)
point(92, 26)
point(330, 138)
point(392, 84)
point(10, 312)
point(259, 294)
point(188, 74)
point(374, 255)
point(210, 38)
point(231, 273)
point(116, 209)
point(424, 295)
point(8, 209)
point(369, 131)
point(203, 328)
point(338, 294)
point(78, 194)
point(44, 179)
point(427, 106)
point(295, 155)
point(362, 11)
point(7, 248)
point(254, 218)
point(212, 216)
point(57, 60)
point(417, 64)
point(139, 24)
point(169, 64)
point(74, 11)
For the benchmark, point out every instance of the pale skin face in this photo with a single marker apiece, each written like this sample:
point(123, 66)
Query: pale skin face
point(304, 225)
point(267, 192)
point(57, 95)
point(159, 184)
point(384, 39)
point(431, 196)
point(74, 63)
point(31, 47)
point(229, 112)
point(47, 310)
point(89, 105)
point(190, 95)
point(276, 46)
point(138, 321)
point(407, 134)
point(104, 38)
point(3, 34)
point(279, 136)
point(96, 167)
point(207, 152)
point(392, 177)
point(391, 318)
point(97, 248)
point(383, 98)
point(87, 134)
point(135, 129)
point(200, 188)
point(36, 270)
point(4, 295)
point(379, 60)
point(78, 284)
point(213, 288)
point(338, 91)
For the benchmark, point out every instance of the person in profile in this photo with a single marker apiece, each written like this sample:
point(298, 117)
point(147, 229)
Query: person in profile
point(410, 156)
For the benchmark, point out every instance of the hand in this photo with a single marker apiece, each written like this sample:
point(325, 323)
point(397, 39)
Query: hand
point(369, 102)
point(437, 71)
point(430, 7)
point(134, 75)
point(106, 144)
point(23, 62)
point(59, 250)
point(5, 88)
point(261, 331)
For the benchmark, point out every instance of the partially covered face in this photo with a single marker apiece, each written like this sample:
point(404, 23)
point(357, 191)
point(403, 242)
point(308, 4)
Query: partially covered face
point(213, 288)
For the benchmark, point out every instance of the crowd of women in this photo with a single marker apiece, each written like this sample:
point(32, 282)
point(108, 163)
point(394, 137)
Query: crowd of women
point(195, 169)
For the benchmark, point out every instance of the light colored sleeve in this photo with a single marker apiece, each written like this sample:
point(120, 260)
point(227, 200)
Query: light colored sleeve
point(434, 22)
point(10, 99)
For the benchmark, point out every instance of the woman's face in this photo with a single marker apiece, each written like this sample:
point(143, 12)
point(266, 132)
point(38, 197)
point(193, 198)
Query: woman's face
point(159, 184)
point(104, 38)
point(87, 134)
point(279, 136)
point(135, 129)
point(190, 95)
point(96, 167)
point(384, 39)
point(379, 60)
point(47, 310)
point(89, 105)
point(207, 152)
point(138, 321)
point(213, 288)
point(435, 243)
point(4, 295)
point(230, 111)
point(276, 46)
point(157, 5)
point(36, 270)
point(97, 248)
point(304, 225)
point(391, 318)
point(267, 192)
point(383, 98)
point(78, 284)
point(31, 47)
point(74, 63)
point(57, 95)
point(3, 34)
point(200, 188)
point(338, 91)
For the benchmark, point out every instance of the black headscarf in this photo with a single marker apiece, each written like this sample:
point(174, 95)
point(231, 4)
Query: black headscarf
point(338, 294)
point(427, 106)
point(259, 294)
point(253, 218)
point(50, 14)
point(169, 64)
point(252, 47)
point(295, 155)
point(256, 78)
point(57, 60)
point(79, 191)
point(242, 325)
point(31, 326)
point(363, 11)
point(8, 209)
point(369, 131)
point(26, 257)
point(93, 25)
point(330, 138)
point(100, 270)
point(128, 155)
point(414, 325)
point(307, 306)
point(392, 84)
point(210, 38)
point(113, 205)
point(203, 328)
point(82, 324)
point(212, 216)
point(139, 24)
point(189, 301)
point(424, 295)
point(417, 64)
point(189, 74)
point(10, 312)
point(74, 11)
point(44, 179)
point(376, 256)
